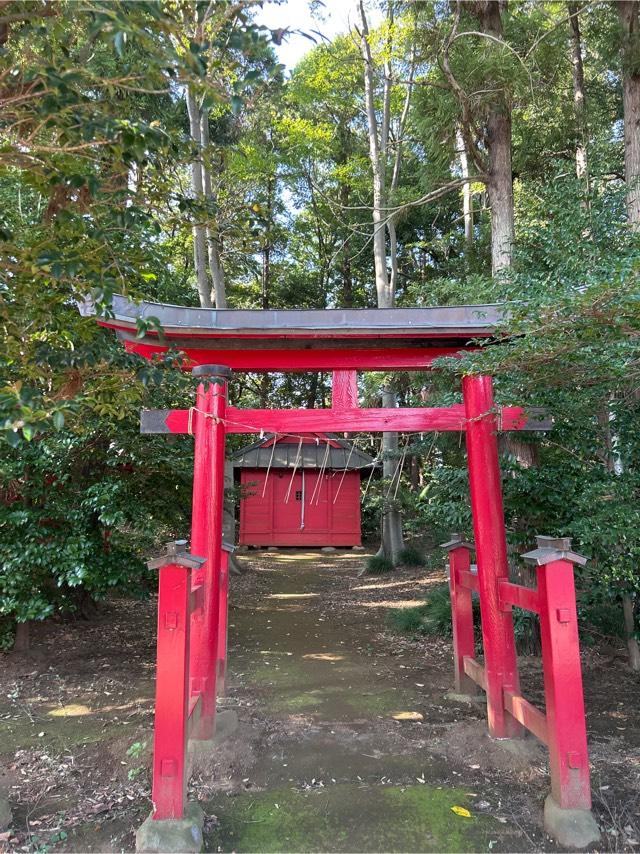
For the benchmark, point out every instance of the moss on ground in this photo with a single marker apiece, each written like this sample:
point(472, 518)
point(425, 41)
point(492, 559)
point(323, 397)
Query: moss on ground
point(349, 818)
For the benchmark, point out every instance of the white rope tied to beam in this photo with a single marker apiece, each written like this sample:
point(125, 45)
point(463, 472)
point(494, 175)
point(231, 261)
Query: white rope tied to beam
point(344, 473)
point(373, 468)
point(293, 473)
point(273, 450)
point(323, 465)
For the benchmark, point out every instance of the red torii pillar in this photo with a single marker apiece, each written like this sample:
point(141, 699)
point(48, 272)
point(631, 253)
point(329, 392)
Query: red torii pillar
point(208, 426)
point(501, 666)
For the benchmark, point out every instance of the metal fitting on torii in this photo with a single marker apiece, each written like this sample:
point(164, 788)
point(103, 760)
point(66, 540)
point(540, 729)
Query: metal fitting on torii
point(176, 553)
point(553, 548)
point(219, 372)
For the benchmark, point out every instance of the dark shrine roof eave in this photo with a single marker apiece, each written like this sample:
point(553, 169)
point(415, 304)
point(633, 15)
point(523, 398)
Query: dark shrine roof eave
point(458, 322)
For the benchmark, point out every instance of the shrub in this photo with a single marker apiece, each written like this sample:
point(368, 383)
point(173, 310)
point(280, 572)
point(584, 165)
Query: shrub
point(378, 565)
point(407, 620)
point(431, 618)
point(411, 556)
point(437, 612)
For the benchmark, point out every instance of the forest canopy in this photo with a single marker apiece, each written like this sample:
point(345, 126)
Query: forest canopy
point(437, 153)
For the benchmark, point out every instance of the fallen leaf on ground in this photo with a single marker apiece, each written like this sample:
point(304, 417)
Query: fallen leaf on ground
point(461, 811)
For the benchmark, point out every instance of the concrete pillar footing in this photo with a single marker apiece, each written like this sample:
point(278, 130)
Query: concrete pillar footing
point(226, 725)
point(571, 828)
point(172, 835)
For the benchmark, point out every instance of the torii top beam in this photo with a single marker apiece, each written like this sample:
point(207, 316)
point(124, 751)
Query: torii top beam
point(306, 340)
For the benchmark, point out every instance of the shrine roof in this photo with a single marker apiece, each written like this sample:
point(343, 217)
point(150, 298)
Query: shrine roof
point(209, 335)
point(458, 320)
point(335, 453)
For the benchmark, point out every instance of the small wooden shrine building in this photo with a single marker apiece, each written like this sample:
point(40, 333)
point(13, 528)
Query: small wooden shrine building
point(300, 491)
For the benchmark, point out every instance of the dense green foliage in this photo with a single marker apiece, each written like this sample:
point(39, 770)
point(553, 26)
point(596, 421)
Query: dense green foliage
point(96, 199)
point(411, 556)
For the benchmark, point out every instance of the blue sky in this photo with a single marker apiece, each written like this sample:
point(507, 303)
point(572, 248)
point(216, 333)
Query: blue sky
point(335, 17)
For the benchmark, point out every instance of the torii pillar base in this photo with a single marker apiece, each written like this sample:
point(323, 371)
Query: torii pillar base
point(226, 725)
point(172, 835)
point(571, 828)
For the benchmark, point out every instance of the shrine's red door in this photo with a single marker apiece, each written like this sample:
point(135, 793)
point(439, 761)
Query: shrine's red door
point(311, 510)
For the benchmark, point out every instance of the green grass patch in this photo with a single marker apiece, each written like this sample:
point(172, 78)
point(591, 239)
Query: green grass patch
point(431, 618)
point(378, 565)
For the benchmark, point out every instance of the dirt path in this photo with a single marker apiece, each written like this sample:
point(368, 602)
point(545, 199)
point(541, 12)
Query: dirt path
point(332, 767)
point(346, 739)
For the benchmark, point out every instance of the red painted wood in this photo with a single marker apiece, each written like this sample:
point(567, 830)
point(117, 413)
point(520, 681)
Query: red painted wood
point(172, 693)
point(418, 420)
point(527, 714)
point(332, 518)
point(515, 594)
point(501, 668)
point(206, 539)
point(364, 359)
point(344, 390)
point(567, 737)
point(223, 618)
point(200, 513)
point(475, 671)
point(469, 580)
point(462, 619)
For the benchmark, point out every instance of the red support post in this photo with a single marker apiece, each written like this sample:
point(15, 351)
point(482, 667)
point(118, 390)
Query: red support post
point(223, 620)
point(172, 682)
point(172, 693)
point(564, 701)
point(461, 613)
point(206, 536)
point(344, 390)
point(501, 667)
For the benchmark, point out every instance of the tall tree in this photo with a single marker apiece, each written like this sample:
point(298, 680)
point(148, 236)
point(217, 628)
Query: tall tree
point(467, 196)
point(486, 127)
point(378, 125)
point(628, 14)
point(379, 130)
point(579, 95)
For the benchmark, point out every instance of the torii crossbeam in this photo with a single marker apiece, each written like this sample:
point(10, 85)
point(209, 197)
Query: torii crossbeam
point(217, 342)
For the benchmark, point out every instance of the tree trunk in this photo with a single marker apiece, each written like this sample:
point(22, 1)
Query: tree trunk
point(628, 13)
point(500, 176)
point(500, 190)
point(392, 537)
point(197, 183)
point(393, 255)
point(21, 640)
point(313, 391)
point(212, 233)
point(345, 252)
point(266, 248)
point(628, 605)
point(579, 96)
point(467, 199)
point(377, 152)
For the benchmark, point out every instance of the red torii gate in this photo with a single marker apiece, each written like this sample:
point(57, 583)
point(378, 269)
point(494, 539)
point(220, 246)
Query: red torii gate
point(193, 599)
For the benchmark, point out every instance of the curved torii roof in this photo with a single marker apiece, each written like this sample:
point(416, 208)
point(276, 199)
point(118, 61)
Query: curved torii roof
point(304, 340)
